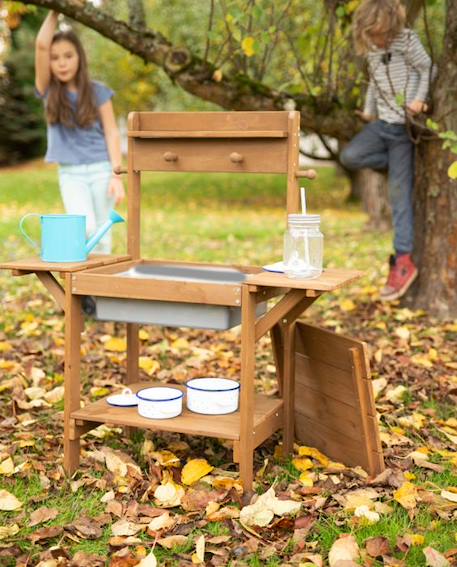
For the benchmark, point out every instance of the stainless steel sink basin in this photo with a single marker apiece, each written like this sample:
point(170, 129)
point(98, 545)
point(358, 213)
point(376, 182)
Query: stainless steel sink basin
point(172, 313)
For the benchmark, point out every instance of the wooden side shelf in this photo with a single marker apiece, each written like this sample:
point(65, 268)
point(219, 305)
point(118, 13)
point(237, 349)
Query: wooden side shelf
point(268, 417)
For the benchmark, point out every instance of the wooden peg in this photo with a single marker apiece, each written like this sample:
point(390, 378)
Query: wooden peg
point(235, 157)
point(308, 173)
point(170, 156)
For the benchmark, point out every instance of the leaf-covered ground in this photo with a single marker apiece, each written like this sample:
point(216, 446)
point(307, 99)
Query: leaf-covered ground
point(174, 500)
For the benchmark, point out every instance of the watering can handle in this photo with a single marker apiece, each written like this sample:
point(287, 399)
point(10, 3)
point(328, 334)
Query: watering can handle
point(21, 222)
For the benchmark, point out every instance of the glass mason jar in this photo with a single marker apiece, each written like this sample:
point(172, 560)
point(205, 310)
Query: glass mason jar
point(303, 247)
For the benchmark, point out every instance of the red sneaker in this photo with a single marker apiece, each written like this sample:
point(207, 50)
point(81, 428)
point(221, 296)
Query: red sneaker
point(401, 275)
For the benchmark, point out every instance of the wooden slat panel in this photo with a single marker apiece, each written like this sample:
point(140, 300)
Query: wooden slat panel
point(329, 380)
point(334, 406)
point(326, 346)
point(224, 426)
point(211, 155)
point(329, 279)
point(35, 264)
point(324, 409)
point(158, 290)
point(334, 444)
point(208, 134)
point(218, 121)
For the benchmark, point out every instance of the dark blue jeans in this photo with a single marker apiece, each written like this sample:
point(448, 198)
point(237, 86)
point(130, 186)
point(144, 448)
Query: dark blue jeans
point(381, 145)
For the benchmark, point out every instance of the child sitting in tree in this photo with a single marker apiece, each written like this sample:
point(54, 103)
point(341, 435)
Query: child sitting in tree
point(400, 73)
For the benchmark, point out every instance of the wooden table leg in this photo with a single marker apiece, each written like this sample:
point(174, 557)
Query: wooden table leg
point(289, 387)
point(133, 353)
point(277, 345)
point(246, 444)
point(72, 378)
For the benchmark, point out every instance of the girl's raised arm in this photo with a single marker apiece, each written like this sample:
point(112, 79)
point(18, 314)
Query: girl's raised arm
point(42, 52)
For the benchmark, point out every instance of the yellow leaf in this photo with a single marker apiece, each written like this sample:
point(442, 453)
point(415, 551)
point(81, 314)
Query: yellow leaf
point(116, 345)
point(347, 305)
point(422, 360)
point(180, 344)
point(148, 365)
point(368, 515)
point(144, 336)
point(452, 171)
point(302, 464)
point(415, 539)
point(305, 451)
point(199, 556)
point(305, 479)
point(194, 470)
point(5, 347)
point(406, 495)
point(166, 458)
point(247, 45)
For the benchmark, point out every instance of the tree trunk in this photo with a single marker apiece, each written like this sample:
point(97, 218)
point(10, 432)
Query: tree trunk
point(375, 199)
point(436, 195)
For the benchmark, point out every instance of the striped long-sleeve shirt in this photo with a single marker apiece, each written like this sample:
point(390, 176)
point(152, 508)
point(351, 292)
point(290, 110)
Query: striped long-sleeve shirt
point(399, 74)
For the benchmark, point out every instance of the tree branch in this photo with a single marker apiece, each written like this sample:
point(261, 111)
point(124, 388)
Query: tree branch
point(193, 74)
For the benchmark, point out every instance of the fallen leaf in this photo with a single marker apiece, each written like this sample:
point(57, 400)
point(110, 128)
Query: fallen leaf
point(194, 470)
point(364, 512)
point(172, 541)
point(162, 522)
point(125, 528)
point(7, 466)
point(406, 495)
point(8, 531)
point(42, 515)
point(45, 533)
point(265, 507)
point(169, 495)
point(434, 558)
point(9, 502)
point(199, 556)
point(148, 561)
point(345, 548)
point(116, 344)
point(378, 546)
point(449, 495)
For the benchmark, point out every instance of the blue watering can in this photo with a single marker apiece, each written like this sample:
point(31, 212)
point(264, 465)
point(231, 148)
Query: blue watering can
point(63, 237)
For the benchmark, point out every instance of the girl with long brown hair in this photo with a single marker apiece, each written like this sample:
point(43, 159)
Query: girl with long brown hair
point(83, 137)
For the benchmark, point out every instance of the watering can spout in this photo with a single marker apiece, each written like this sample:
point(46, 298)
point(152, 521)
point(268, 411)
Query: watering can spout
point(113, 218)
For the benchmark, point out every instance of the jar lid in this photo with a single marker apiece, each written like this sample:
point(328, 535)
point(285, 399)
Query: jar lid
point(300, 219)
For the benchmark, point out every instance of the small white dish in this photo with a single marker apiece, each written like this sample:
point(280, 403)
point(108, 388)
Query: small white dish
point(159, 402)
point(126, 399)
point(212, 396)
point(277, 267)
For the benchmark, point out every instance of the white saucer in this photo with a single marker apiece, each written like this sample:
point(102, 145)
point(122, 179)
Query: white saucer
point(126, 399)
point(276, 267)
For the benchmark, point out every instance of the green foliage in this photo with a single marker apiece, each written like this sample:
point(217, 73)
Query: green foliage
point(21, 115)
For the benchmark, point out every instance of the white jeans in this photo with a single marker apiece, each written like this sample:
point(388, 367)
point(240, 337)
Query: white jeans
point(84, 190)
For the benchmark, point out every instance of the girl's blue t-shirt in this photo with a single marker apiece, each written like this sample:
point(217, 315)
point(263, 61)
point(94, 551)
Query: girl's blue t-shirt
point(76, 146)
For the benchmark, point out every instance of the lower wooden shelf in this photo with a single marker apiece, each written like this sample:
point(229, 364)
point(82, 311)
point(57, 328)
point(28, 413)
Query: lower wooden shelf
point(268, 417)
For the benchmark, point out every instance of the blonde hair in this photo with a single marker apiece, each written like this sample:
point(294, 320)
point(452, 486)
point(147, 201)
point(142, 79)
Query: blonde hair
point(374, 16)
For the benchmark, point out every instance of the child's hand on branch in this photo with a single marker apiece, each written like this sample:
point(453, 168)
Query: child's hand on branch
point(417, 106)
point(116, 189)
point(365, 117)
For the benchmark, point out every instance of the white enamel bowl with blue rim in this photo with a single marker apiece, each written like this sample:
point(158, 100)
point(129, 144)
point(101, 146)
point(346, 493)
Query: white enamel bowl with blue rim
point(159, 402)
point(212, 396)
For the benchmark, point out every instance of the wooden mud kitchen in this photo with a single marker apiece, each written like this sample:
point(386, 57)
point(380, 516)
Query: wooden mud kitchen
point(325, 398)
